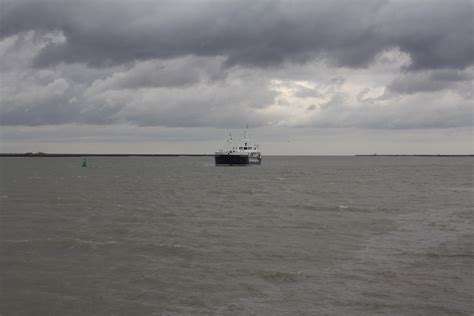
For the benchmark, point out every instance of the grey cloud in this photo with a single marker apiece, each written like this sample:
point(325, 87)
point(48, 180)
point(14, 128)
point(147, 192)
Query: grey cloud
point(191, 115)
point(53, 110)
point(57, 109)
point(410, 113)
point(451, 75)
point(169, 73)
point(428, 81)
point(337, 81)
point(362, 96)
point(42, 97)
point(304, 92)
point(222, 105)
point(436, 34)
point(179, 64)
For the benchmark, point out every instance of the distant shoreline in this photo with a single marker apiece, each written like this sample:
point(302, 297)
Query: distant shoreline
point(49, 155)
point(415, 155)
point(46, 155)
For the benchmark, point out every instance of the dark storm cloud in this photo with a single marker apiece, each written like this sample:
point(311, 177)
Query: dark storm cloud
point(435, 34)
point(226, 63)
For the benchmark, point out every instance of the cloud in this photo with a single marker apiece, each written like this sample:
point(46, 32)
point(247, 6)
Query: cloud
point(186, 91)
point(428, 81)
point(438, 110)
point(229, 104)
point(435, 34)
point(178, 72)
point(305, 92)
point(175, 64)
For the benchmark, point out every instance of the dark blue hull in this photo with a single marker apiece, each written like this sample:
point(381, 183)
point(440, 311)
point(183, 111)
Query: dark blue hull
point(236, 160)
point(232, 160)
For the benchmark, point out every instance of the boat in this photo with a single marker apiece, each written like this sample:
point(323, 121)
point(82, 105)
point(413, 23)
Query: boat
point(241, 153)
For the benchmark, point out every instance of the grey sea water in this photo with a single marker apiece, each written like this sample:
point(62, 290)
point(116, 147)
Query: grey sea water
point(294, 236)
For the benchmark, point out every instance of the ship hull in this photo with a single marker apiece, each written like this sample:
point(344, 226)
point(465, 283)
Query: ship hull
point(232, 160)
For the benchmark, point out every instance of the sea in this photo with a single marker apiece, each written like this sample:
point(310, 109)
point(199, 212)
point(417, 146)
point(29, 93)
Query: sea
point(294, 236)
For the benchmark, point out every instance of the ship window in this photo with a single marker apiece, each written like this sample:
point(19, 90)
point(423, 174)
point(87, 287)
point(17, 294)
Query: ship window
point(241, 148)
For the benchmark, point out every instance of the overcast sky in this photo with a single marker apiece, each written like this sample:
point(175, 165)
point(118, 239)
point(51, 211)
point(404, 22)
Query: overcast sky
point(308, 77)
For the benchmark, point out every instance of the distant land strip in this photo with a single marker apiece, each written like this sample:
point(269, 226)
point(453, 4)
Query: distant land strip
point(400, 155)
point(41, 154)
point(98, 155)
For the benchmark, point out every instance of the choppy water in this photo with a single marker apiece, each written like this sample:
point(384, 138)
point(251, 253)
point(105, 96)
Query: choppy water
point(172, 236)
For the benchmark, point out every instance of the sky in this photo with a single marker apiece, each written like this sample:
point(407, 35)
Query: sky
point(308, 77)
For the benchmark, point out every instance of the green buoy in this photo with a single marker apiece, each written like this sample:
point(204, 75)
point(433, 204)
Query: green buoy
point(84, 163)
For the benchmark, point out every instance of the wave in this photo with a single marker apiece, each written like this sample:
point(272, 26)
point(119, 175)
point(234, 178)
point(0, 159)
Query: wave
point(280, 277)
point(443, 255)
point(459, 188)
point(338, 207)
point(167, 249)
point(64, 242)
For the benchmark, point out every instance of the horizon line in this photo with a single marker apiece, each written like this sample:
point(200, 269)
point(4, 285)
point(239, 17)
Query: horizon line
point(52, 155)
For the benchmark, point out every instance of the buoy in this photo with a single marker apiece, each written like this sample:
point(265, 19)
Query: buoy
point(84, 163)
